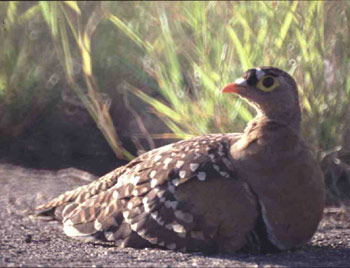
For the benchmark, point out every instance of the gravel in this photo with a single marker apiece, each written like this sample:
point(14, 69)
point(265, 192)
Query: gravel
point(27, 242)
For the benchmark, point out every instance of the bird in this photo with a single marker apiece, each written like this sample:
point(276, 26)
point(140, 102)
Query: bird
point(258, 191)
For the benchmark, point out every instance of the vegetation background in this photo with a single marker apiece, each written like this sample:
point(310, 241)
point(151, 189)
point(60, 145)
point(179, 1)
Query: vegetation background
point(93, 84)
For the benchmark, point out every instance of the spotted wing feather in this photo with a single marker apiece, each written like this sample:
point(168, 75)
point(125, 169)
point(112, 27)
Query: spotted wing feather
point(138, 203)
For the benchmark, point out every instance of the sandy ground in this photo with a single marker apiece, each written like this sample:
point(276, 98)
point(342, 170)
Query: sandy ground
point(25, 241)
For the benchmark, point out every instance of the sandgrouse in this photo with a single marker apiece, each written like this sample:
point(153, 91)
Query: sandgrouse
point(256, 191)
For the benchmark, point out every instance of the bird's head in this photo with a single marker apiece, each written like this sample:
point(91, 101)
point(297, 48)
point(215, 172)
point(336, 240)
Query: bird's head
point(271, 91)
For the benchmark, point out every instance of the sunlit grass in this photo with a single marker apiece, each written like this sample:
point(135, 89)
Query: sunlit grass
point(197, 47)
point(58, 20)
point(191, 49)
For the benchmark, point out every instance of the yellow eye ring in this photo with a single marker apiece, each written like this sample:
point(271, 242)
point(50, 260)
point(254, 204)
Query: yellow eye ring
point(267, 83)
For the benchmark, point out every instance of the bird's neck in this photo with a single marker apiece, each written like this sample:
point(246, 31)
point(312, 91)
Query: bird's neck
point(288, 117)
point(263, 120)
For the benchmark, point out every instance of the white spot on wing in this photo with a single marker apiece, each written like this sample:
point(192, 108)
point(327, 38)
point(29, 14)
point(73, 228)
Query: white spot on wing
point(182, 174)
point(119, 242)
point(97, 225)
point(154, 214)
point(153, 240)
point(135, 179)
point(224, 173)
point(152, 174)
point(157, 157)
point(126, 215)
point(175, 182)
point(134, 226)
point(128, 190)
point(186, 217)
point(216, 167)
point(160, 193)
point(137, 168)
point(201, 176)
point(179, 163)
point(194, 166)
point(166, 162)
point(130, 205)
point(135, 192)
point(179, 228)
point(145, 200)
point(109, 235)
point(147, 207)
point(154, 183)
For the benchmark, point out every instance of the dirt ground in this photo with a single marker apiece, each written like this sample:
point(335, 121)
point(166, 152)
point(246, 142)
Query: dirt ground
point(25, 241)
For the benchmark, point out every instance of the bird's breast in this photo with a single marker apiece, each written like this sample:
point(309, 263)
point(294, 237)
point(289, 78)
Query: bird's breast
point(287, 181)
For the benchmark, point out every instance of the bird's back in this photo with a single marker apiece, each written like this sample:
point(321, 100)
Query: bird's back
point(182, 196)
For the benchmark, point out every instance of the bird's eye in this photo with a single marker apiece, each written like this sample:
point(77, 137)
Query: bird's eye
point(267, 83)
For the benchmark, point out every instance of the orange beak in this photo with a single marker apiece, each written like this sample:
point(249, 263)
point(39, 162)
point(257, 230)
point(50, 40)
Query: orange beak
point(232, 88)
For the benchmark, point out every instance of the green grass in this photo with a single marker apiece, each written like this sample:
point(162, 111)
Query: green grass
point(197, 47)
point(191, 49)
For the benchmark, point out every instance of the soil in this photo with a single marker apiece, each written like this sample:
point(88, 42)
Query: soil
point(25, 241)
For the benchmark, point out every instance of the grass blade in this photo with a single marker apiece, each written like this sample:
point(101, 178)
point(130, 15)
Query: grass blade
point(286, 24)
point(246, 63)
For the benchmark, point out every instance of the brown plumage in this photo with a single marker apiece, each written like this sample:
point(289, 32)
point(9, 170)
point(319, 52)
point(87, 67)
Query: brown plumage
point(256, 191)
